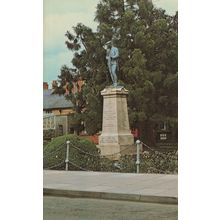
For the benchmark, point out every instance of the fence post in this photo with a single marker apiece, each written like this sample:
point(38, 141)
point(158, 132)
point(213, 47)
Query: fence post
point(138, 155)
point(67, 154)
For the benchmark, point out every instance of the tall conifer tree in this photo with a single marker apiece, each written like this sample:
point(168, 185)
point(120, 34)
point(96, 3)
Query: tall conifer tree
point(147, 40)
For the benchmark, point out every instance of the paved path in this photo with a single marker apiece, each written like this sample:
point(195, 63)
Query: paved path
point(123, 186)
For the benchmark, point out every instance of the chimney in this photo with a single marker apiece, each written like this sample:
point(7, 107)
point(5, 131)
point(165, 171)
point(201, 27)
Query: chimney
point(45, 86)
point(54, 84)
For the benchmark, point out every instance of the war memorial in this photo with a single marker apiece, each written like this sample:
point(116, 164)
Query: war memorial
point(116, 136)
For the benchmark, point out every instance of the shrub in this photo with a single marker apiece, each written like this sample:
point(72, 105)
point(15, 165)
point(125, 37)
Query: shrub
point(48, 134)
point(127, 164)
point(55, 154)
point(159, 162)
point(107, 165)
point(151, 162)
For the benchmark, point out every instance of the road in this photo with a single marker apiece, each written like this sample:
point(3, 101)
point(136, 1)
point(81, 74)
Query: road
point(60, 208)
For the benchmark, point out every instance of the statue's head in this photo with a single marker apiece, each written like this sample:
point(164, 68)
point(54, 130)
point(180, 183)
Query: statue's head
point(109, 46)
point(113, 41)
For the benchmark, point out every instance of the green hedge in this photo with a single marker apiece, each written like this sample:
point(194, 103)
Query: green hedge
point(160, 162)
point(55, 153)
point(151, 162)
point(49, 134)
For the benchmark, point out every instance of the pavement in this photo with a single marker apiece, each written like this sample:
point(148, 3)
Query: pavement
point(151, 188)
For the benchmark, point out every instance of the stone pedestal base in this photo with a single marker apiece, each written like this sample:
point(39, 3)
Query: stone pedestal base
point(111, 151)
point(116, 135)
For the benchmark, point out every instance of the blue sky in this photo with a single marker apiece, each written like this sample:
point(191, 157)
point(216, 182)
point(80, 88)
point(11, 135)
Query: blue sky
point(62, 15)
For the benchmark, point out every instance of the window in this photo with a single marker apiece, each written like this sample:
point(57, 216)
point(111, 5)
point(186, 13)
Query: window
point(48, 111)
point(60, 129)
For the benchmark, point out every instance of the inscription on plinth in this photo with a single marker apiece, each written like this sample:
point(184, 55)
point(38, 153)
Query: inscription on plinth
point(115, 124)
point(108, 139)
point(109, 115)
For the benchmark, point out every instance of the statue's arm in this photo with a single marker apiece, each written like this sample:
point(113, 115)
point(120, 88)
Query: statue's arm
point(115, 53)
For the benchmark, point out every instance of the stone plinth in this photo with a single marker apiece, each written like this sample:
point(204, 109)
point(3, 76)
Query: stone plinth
point(116, 135)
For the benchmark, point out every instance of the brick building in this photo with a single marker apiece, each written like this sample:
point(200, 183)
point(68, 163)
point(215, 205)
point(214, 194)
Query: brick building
point(56, 112)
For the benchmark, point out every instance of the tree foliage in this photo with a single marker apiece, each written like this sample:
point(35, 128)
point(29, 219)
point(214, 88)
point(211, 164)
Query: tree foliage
point(147, 40)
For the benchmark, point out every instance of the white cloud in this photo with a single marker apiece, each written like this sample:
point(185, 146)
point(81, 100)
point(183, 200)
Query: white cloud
point(171, 6)
point(56, 25)
point(61, 16)
point(67, 6)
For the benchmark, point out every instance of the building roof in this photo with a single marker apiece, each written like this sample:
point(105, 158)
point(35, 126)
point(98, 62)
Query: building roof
point(55, 101)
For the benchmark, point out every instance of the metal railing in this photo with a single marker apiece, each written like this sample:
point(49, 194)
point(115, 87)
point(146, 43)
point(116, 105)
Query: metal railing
point(69, 161)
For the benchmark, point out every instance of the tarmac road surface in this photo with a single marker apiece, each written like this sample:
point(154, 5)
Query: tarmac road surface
point(60, 208)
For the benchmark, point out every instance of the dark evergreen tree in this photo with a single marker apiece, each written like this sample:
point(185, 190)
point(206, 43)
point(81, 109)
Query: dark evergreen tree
point(147, 40)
